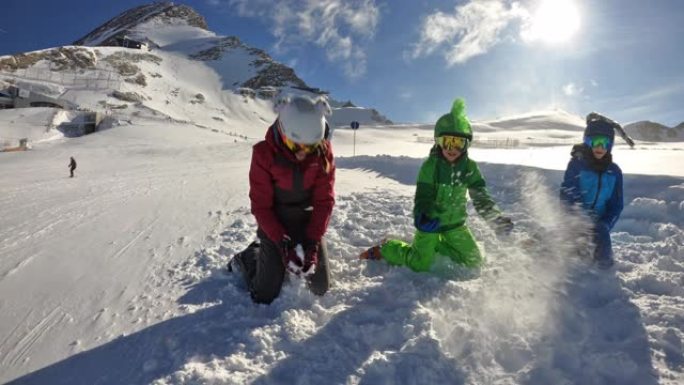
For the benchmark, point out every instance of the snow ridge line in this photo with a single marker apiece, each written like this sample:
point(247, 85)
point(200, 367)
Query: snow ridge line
point(17, 267)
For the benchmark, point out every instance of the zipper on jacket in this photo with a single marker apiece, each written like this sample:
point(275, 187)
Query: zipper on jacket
point(598, 190)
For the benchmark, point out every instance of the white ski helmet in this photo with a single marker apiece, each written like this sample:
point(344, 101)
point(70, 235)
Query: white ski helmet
point(302, 118)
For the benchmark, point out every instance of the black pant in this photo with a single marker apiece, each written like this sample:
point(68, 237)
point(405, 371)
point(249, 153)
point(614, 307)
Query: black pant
point(264, 271)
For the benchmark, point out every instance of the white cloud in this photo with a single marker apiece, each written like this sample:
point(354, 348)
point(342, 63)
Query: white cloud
point(471, 30)
point(340, 27)
point(572, 89)
point(405, 95)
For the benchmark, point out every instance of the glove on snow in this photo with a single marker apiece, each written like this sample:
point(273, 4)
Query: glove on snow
point(503, 225)
point(426, 224)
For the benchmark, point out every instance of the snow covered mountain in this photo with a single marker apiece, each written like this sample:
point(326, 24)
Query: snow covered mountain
point(128, 23)
point(655, 132)
point(182, 71)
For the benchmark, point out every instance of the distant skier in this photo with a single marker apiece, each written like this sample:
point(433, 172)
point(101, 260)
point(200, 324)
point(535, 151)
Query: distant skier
point(593, 182)
point(440, 202)
point(72, 166)
point(291, 180)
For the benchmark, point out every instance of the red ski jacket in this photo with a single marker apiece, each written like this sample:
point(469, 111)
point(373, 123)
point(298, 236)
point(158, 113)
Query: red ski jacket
point(289, 196)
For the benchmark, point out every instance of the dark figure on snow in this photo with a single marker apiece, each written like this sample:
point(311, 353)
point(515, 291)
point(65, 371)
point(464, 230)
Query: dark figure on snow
point(291, 182)
point(594, 183)
point(72, 166)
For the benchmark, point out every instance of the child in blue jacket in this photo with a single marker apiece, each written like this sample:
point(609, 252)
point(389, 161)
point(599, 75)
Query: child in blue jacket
point(593, 182)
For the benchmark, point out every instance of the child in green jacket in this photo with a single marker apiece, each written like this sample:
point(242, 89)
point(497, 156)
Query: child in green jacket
point(440, 203)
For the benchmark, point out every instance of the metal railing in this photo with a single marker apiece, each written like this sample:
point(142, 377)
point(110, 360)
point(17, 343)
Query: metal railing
point(95, 79)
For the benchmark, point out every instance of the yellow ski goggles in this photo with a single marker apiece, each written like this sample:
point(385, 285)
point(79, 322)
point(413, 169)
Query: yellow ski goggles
point(296, 147)
point(450, 142)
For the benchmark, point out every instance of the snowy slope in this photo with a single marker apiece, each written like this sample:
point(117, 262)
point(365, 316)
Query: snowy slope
point(117, 276)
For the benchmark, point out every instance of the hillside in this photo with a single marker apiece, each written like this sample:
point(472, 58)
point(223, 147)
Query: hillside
point(655, 132)
point(183, 72)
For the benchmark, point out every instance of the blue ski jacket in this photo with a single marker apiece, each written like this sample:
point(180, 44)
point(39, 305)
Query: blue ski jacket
point(594, 184)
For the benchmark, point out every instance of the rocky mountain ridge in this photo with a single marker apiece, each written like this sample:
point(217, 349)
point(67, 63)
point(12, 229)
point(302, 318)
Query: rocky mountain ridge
point(208, 47)
point(121, 25)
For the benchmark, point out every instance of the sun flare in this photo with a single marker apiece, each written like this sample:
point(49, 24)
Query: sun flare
point(553, 22)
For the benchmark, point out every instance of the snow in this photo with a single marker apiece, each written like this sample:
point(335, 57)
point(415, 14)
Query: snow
point(118, 275)
point(32, 123)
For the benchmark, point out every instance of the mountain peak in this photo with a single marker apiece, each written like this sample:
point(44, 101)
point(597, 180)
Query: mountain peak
point(125, 23)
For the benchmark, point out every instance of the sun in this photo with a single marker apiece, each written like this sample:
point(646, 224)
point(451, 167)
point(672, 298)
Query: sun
point(553, 22)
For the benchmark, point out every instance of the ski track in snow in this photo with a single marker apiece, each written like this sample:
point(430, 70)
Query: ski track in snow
point(19, 350)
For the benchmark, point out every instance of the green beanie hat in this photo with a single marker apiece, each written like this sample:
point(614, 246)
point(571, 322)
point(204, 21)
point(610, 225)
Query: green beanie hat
point(455, 123)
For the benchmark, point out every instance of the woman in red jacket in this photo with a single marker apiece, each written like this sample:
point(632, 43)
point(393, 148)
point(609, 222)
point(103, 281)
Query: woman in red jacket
point(291, 182)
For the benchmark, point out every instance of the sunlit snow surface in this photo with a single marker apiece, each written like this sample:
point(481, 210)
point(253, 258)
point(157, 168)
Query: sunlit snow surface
point(117, 276)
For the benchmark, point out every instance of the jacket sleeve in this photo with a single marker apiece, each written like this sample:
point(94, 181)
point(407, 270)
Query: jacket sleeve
point(261, 194)
point(570, 190)
point(323, 199)
point(615, 204)
point(477, 189)
point(426, 190)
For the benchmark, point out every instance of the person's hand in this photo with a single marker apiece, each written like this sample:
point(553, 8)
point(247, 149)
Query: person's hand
point(285, 246)
point(311, 249)
point(289, 255)
point(503, 226)
point(426, 224)
point(300, 260)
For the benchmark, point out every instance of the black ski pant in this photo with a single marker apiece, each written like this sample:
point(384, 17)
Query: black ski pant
point(264, 270)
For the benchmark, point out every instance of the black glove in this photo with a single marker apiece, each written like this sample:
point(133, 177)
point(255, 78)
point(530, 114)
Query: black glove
point(503, 225)
point(426, 224)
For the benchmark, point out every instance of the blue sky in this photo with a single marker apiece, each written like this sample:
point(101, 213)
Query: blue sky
point(624, 58)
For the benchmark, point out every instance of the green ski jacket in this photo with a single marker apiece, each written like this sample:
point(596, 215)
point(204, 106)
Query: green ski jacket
point(441, 191)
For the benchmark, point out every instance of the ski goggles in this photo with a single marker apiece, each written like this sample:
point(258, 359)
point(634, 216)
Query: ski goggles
point(297, 147)
point(450, 142)
point(598, 141)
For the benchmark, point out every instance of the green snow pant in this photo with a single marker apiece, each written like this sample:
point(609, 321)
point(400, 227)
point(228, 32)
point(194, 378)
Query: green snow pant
point(457, 244)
